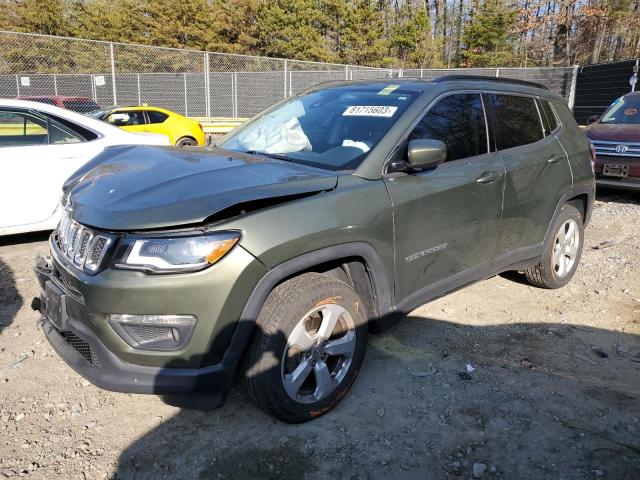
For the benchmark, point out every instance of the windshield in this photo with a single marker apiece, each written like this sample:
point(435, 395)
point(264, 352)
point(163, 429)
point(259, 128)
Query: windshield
point(624, 111)
point(333, 128)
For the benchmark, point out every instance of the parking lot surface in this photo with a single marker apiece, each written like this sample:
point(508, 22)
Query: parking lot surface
point(498, 380)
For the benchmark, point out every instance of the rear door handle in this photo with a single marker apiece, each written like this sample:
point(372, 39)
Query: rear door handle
point(489, 177)
point(555, 159)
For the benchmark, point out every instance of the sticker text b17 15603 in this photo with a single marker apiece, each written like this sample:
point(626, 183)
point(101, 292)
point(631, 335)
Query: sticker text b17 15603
point(370, 111)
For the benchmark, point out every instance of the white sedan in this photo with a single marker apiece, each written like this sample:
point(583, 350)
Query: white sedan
point(40, 147)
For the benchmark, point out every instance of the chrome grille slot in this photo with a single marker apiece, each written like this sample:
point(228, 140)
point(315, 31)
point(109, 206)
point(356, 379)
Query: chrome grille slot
point(84, 247)
point(73, 236)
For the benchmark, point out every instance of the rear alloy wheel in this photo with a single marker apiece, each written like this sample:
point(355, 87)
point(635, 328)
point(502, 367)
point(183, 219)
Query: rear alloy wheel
point(565, 248)
point(307, 349)
point(186, 142)
point(562, 251)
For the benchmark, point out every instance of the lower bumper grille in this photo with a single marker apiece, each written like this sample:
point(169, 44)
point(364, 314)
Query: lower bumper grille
point(82, 347)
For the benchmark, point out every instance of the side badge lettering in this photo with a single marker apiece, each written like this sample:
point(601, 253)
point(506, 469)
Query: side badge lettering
point(426, 252)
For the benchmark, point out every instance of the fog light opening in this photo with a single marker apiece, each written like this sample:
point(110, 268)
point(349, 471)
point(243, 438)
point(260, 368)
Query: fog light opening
point(154, 332)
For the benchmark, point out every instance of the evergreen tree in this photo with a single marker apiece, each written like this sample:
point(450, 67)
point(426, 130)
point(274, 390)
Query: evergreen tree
point(183, 23)
point(362, 33)
point(486, 36)
point(411, 42)
point(112, 20)
point(400, 33)
point(289, 29)
point(48, 17)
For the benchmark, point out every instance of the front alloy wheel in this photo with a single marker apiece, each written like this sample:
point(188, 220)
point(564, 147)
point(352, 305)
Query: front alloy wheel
point(318, 353)
point(307, 347)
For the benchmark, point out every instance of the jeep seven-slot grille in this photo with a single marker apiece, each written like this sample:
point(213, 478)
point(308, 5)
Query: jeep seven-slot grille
point(83, 246)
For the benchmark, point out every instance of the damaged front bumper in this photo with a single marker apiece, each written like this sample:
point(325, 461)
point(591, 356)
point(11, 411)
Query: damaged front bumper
point(83, 351)
point(75, 312)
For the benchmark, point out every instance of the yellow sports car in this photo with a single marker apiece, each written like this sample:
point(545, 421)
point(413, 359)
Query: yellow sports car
point(182, 131)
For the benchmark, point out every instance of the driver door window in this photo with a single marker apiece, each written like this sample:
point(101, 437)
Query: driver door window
point(458, 121)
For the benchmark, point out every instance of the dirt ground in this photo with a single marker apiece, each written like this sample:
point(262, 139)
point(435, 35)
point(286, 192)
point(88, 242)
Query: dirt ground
point(499, 380)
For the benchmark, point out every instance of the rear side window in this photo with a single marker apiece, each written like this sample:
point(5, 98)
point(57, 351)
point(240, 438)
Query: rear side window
point(156, 117)
point(517, 120)
point(548, 117)
point(459, 122)
point(78, 130)
point(60, 135)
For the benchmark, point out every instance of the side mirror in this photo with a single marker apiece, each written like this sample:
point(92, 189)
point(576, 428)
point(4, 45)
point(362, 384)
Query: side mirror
point(592, 119)
point(425, 154)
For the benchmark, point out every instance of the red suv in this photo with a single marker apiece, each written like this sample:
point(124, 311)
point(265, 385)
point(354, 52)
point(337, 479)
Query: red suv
point(616, 137)
point(77, 104)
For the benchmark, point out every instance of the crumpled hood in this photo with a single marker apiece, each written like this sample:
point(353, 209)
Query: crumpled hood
point(613, 133)
point(143, 187)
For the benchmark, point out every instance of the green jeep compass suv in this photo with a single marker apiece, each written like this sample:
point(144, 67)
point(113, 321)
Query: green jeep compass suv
point(174, 271)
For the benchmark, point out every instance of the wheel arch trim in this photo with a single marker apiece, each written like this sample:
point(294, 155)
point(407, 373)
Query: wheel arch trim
point(244, 328)
point(578, 190)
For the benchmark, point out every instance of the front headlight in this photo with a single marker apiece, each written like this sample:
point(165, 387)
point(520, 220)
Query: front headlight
point(176, 253)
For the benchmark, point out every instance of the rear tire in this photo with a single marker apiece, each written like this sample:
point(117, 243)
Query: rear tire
point(562, 251)
point(186, 142)
point(307, 347)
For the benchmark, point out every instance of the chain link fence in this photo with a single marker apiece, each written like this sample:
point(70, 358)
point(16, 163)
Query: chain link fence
point(191, 82)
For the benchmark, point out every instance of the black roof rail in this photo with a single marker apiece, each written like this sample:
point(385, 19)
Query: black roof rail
point(446, 78)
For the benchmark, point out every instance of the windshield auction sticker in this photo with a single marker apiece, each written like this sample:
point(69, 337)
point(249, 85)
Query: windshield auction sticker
point(369, 111)
point(388, 89)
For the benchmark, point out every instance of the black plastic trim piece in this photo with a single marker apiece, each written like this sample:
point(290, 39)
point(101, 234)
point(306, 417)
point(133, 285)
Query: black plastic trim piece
point(244, 329)
point(444, 287)
point(447, 78)
point(119, 376)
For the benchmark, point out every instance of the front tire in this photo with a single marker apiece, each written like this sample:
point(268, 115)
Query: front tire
point(562, 251)
point(307, 348)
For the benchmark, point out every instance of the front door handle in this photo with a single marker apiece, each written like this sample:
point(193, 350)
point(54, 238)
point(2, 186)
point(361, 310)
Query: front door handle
point(488, 177)
point(555, 159)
